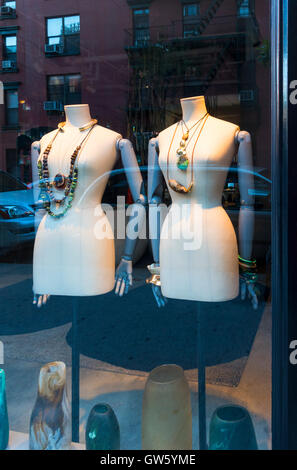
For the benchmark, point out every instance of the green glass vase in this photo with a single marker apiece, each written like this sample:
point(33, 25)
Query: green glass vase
point(102, 430)
point(231, 428)
point(4, 425)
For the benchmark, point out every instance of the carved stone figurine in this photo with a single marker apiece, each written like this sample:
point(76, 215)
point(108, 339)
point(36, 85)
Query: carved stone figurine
point(50, 425)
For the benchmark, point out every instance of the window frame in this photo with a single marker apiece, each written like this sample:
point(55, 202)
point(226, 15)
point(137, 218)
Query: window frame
point(62, 36)
point(5, 55)
point(8, 123)
point(64, 101)
point(191, 21)
point(136, 30)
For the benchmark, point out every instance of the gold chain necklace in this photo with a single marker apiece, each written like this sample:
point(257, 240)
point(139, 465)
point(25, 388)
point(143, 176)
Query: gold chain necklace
point(175, 185)
point(181, 153)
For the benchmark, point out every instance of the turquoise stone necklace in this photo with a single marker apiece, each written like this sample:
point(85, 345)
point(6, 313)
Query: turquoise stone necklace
point(181, 153)
point(60, 181)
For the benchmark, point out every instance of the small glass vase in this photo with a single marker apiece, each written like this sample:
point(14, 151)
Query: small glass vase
point(4, 424)
point(231, 428)
point(166, 410)
point(102, 429)
point(50, 424)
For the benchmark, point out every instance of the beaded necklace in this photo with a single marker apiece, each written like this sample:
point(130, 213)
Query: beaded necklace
point(60, 181)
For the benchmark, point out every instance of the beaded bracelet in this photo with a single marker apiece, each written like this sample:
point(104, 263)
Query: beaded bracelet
point(248, 270)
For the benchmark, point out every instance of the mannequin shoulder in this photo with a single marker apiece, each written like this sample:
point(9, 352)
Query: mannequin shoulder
point(100, 131)
point(45, 140)
point(166, 133)
point(228, 127)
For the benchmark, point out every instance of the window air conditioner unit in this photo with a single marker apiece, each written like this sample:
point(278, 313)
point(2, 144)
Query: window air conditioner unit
point(247, 96)
point(54, 49)
point(8, 65)
point(6, 11)
point(53, 106)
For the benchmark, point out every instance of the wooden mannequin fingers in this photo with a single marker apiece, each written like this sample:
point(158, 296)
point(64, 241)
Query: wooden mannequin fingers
point(46, 299)
point(122, 288)
point(118, 285)
point(243, 290)
point(130, 279)
point(40, 301)
point(127, 286)
point(160, 299)
point(253, 297)
point(156, 296)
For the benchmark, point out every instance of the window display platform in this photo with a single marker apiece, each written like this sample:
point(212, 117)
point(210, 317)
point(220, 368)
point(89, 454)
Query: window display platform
point(20, 441)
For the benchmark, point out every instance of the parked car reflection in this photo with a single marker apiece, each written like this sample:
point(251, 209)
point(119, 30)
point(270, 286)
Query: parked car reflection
point(17, 213)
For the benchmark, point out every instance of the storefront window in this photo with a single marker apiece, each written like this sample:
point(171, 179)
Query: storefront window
point(160, 107)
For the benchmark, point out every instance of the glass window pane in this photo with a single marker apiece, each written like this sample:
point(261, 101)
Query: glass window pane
point(10, 41)
point(11, 4)
point(12, 99)
point(10, 46)
point(57, 80)
point(244, 9)
point(71, 24)
point(191, 10)
point(54, 26)
point(141, 72)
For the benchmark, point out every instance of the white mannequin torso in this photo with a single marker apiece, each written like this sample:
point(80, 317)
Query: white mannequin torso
point(69, 259)
point(208, 270)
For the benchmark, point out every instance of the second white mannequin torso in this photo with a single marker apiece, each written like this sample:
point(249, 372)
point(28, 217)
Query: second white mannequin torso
point(204, 267)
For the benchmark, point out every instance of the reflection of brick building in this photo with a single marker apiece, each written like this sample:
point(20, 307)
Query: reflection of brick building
point(135, 55)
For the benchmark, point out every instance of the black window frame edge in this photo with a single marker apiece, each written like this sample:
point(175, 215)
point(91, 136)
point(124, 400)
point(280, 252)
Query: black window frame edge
point(284, 227)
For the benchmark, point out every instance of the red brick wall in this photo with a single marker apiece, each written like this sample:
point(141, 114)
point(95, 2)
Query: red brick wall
point(103, 62)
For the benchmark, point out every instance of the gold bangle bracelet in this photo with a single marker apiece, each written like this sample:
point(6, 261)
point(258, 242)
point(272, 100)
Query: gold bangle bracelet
point(154, 269)
point(154, 279)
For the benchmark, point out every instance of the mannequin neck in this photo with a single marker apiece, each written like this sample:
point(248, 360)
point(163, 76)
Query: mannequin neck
point(193, 109)
point(77, 115)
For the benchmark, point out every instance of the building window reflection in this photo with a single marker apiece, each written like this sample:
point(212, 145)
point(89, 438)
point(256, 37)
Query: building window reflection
point(141, 26)
point(64, 32)
point(191, 16)
point(10, 48)
point(244, 8)
point(11, 107)
point(10, 4)
point(64, 89)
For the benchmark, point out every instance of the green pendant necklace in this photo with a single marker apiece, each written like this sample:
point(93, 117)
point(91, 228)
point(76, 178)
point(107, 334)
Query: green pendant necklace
point(181, 153)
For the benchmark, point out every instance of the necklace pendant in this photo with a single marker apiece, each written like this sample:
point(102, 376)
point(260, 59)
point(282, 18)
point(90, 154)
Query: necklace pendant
point(183, 163)
point(59, 181)
point(58, 204)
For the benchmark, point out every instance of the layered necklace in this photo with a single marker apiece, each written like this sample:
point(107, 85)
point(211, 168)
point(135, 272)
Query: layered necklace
point(182, 158)
point(60, 182)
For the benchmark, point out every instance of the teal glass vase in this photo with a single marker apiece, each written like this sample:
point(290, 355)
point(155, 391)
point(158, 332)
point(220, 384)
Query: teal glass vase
point(102, 430)
point(231, 428)
point(4, 425)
